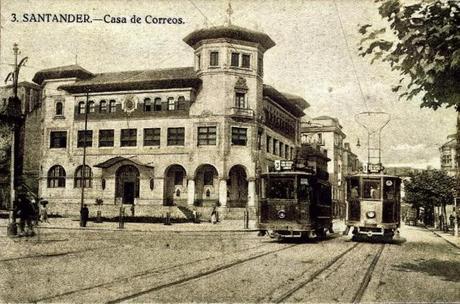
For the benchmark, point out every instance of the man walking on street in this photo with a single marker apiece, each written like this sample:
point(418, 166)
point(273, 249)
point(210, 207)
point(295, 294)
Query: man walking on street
point(84, 215)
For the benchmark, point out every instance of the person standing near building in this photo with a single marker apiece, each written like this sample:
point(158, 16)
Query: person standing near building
point(84, 215)
point(26, 214)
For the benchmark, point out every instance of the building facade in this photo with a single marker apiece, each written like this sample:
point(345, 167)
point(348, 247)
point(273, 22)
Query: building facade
point(195, 136)
point(327, 132)
point(351, 162)
point(447, 154)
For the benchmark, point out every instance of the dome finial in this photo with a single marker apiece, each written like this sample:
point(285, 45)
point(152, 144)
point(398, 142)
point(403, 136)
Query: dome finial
point(229, 13)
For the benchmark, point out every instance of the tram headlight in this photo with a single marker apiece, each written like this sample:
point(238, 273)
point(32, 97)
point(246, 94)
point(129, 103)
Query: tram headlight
point(370, 214)
point(282, 214)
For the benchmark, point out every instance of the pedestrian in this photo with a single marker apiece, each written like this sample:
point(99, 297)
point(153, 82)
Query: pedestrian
point(43, 211)
point(451, 219)
point(214, 215)
point(26, 214)
point(84, 215)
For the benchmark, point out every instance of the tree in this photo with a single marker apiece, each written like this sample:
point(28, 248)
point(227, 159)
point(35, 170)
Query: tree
point(429, 189)
point(425, 52)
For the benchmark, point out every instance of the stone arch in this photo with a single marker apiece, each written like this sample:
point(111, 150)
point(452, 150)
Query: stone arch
point(206, 185)
point(127, 183)
point(175, 183)
point(237, 187)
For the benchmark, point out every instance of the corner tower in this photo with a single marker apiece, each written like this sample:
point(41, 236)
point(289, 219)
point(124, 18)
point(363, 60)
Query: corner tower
point(229, 60)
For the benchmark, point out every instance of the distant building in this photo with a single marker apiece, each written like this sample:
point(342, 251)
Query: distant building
point(351, 162)
point(327, 132)
point(447, 154)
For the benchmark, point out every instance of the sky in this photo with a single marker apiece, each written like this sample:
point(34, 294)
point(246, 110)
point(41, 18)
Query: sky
point(315, 57)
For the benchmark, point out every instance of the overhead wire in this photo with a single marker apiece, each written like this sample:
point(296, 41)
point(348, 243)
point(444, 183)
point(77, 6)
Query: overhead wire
point(350, 56)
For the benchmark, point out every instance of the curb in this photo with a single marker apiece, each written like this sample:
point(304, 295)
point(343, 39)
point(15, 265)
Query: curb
point(441, 236)
point(141, 230)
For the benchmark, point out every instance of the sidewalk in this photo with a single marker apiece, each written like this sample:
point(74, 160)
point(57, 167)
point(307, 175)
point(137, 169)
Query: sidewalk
point(448, 236)
point(223, 226)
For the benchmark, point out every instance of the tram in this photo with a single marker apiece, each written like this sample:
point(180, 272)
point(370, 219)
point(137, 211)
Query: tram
point(373, 205)
point(295, 203)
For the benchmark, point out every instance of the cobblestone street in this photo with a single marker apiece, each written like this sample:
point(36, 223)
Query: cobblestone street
point(73, 265)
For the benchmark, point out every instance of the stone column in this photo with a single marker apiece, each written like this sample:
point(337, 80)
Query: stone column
point(223, 192)
point(251, 192)
point(191, 191)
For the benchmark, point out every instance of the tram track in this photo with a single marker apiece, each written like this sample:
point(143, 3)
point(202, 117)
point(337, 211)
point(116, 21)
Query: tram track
point(158, 272)
point(337, 261)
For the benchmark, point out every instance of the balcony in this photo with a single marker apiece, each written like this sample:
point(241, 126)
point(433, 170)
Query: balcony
point(242, 113)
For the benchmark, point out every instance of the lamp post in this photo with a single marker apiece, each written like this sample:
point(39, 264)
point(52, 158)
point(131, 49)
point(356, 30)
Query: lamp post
point(12, 116)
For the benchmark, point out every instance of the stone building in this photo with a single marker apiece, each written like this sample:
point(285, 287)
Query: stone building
point(447, 154)
point(327, 132)
point(189, 137)
point(351, 163)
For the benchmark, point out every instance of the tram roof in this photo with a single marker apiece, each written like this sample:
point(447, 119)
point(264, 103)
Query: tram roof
point(373, 175)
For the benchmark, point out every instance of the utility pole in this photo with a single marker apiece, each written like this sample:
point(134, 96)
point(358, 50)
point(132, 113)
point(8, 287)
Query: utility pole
point(15, 119)
point(83, 170)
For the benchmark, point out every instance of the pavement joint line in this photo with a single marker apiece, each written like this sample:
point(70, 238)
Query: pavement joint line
point(441, 236)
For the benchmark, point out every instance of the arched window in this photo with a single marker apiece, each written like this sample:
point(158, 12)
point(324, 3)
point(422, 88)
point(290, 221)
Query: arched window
point(147, 105)
point(91, 107)
point(59, 108)
point(171, 104)
point(157, 104)
point(112, 106)
point(81, 107)
point(79, 179)
point(56, 177)
point(103, 106)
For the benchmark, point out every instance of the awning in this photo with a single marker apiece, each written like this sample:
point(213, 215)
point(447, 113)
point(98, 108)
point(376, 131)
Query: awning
point(115, 160)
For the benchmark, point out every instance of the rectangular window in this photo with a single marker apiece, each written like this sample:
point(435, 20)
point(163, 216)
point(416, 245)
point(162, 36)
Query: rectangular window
point(207, 136)
point(58, 139)
point(106, 138)
point(152, 137)
point(286, 152)
point(275, 146)
point(281, 149)
point(128, 138)
point(85, 140)
point(176, 136)
point(235, 60)
point(246, 61)
point(239, 136)
point(260, 66)
point(240, 100)
point(292, 153)
point(214, 59)
point(198, 62)
point(269, 139)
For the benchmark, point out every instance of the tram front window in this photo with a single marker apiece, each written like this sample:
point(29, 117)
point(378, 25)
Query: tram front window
point(282, 188)
point(371, 189)
point(353, 189)
point(303, 189)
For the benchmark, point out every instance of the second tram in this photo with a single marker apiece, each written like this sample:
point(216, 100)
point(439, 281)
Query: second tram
point(373, 205)
point(295, 204)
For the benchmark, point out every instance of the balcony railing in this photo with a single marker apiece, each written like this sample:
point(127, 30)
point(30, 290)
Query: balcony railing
point(242, 112)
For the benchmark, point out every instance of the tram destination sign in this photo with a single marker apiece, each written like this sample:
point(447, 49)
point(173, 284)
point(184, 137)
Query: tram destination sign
point(374, 168)
point(283, 164)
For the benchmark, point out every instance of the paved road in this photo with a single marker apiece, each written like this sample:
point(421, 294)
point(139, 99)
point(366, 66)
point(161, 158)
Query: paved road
point(117, 266)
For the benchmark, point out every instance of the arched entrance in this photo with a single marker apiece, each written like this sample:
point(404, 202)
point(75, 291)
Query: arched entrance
point(175, 185)
point(127, 184)
point(207, 185)
point(237, 187)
